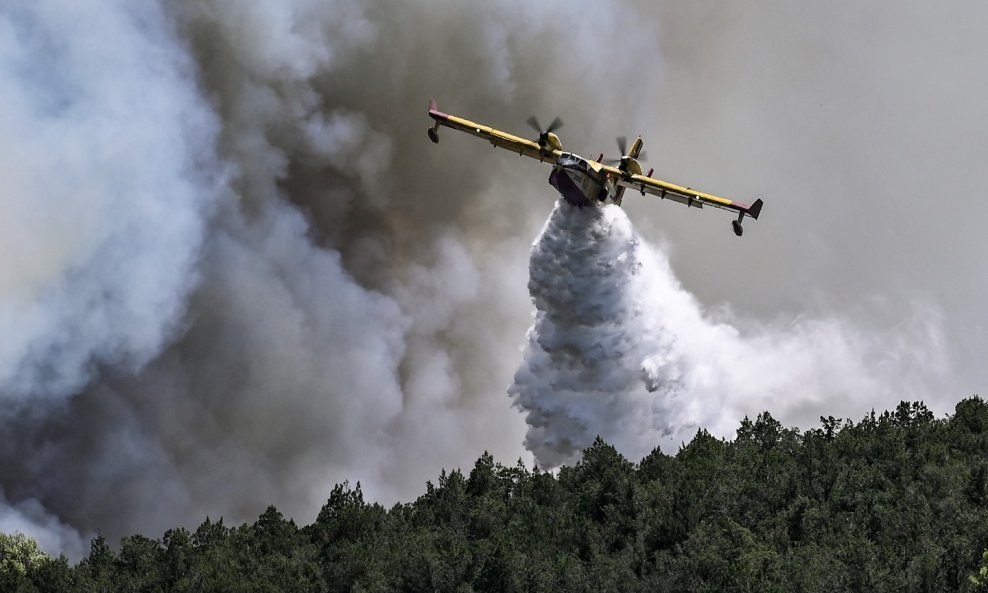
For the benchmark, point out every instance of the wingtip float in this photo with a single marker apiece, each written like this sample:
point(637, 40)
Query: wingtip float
point(585, 182)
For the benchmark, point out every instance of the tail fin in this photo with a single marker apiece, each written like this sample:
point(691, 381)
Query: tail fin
point(432, 105)
point(636, 148)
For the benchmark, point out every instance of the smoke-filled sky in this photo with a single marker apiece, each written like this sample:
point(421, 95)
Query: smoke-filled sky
point(235, 271)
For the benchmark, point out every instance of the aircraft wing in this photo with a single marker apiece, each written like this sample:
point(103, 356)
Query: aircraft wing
point(496, 137)
point(684, 195)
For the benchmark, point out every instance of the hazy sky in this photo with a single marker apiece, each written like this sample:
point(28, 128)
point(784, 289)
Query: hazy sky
point(236, 272)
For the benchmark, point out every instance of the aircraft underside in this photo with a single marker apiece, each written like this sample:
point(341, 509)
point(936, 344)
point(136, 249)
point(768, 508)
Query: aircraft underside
point(577, 187)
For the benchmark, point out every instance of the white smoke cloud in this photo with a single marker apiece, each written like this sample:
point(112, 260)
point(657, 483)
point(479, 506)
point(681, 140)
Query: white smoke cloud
point(30, 518)
point(620, 349)
point(104, 208)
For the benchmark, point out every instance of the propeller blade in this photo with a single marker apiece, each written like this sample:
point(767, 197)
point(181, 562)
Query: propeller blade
point(555, 125)
point(622, 143)
point(534, 123)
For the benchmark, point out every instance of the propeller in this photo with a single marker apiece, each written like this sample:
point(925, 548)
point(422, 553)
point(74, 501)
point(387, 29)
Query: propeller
point(622, 143)
point(544, 132)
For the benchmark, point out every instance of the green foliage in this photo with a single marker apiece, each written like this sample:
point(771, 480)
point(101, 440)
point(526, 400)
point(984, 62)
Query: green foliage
point(19, 557)
point(895, 502)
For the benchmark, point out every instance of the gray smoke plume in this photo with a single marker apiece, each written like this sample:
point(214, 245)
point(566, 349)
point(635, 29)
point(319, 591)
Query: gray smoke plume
point(235, 271)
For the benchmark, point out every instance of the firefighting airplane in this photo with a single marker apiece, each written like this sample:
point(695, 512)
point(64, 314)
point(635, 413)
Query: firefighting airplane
point(583, 182)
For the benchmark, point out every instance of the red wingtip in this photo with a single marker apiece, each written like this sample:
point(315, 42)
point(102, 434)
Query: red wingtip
point(434, 112)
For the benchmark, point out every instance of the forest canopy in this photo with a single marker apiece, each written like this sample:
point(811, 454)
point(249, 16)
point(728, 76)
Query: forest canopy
point(893, 502)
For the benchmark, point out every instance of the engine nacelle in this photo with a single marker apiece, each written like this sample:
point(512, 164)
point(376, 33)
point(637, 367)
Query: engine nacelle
point(550, 141)
point(630, 165)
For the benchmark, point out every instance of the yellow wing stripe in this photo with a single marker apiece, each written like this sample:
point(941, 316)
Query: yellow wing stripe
point(677, 193)
point(501, 139)
point(685, 191)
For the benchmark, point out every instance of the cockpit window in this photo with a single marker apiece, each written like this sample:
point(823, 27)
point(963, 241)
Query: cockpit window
point(568, 159)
